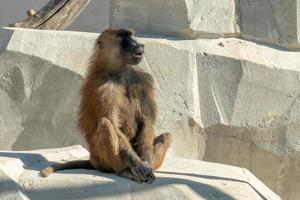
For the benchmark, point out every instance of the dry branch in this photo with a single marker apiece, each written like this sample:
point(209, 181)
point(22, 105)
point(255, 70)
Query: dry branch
point(57, 15)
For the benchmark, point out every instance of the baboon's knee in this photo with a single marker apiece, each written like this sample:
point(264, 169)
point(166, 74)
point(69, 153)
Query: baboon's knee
point(164, 139)
point(108, 136)
point(161, 145)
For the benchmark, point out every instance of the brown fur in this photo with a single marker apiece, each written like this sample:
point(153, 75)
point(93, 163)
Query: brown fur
point(117, 115)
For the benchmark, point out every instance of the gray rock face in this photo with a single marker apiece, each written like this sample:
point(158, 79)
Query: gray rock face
point(39, 96)
point(270, 21)
point(184, 18)
point(267, 21)
point(177, 179)
point(224, 100)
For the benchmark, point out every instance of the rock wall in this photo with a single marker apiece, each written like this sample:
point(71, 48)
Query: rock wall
point(268, 21)
point(225, 100)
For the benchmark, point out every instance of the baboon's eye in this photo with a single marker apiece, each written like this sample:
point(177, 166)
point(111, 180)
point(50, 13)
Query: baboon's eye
point(100, 44)
point(125, 42)
point(122, 33)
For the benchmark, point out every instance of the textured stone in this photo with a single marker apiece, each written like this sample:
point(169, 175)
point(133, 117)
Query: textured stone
point(270, 21)
point(177, 179)
point(225, 100)
point(40, 95)
point(267, 21)
point(189, 18)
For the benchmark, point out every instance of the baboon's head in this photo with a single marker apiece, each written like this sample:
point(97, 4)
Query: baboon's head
point(119, 45)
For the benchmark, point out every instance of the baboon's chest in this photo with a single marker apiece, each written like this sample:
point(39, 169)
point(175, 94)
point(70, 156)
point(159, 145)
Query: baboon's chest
point(131, 96)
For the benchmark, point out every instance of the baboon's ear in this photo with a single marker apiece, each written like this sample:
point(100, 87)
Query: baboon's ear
point(100, 44)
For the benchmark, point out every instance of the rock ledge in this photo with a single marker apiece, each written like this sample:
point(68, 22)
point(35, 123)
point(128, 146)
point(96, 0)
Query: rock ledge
point(177, 179)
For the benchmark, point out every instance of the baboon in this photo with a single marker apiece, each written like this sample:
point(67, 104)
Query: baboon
point(118, 111)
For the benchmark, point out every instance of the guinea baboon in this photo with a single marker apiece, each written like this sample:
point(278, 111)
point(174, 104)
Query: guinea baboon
point(118, 111)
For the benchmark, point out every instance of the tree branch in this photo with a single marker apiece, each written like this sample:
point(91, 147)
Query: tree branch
point(56, 15)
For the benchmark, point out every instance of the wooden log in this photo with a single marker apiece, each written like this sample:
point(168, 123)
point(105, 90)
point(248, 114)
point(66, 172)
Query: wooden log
point(56, 15)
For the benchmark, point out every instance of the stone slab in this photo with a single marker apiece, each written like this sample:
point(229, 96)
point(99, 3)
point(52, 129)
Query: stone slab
point(177, 179)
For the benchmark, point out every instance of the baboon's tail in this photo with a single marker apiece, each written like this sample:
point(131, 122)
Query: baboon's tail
point(84, 164)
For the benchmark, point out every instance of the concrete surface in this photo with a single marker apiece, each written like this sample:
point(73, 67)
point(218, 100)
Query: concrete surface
point(225, 100)
point(191, 18)
point(177, 179)
point(268, 21)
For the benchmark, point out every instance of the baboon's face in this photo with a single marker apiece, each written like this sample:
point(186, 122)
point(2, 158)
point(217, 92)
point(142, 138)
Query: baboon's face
point(130, 50)
point(120, 44)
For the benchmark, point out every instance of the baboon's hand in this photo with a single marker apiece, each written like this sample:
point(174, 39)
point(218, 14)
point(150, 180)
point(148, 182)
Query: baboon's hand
point(143, 173)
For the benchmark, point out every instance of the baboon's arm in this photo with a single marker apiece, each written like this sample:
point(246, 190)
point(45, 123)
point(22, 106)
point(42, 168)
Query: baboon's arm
point(144, 141)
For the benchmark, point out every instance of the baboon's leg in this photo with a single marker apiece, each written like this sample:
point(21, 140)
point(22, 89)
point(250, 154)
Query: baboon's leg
point(120, 155)
point(150, 149)
point(161, 144)
point(108, 138)
point(143, 143)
